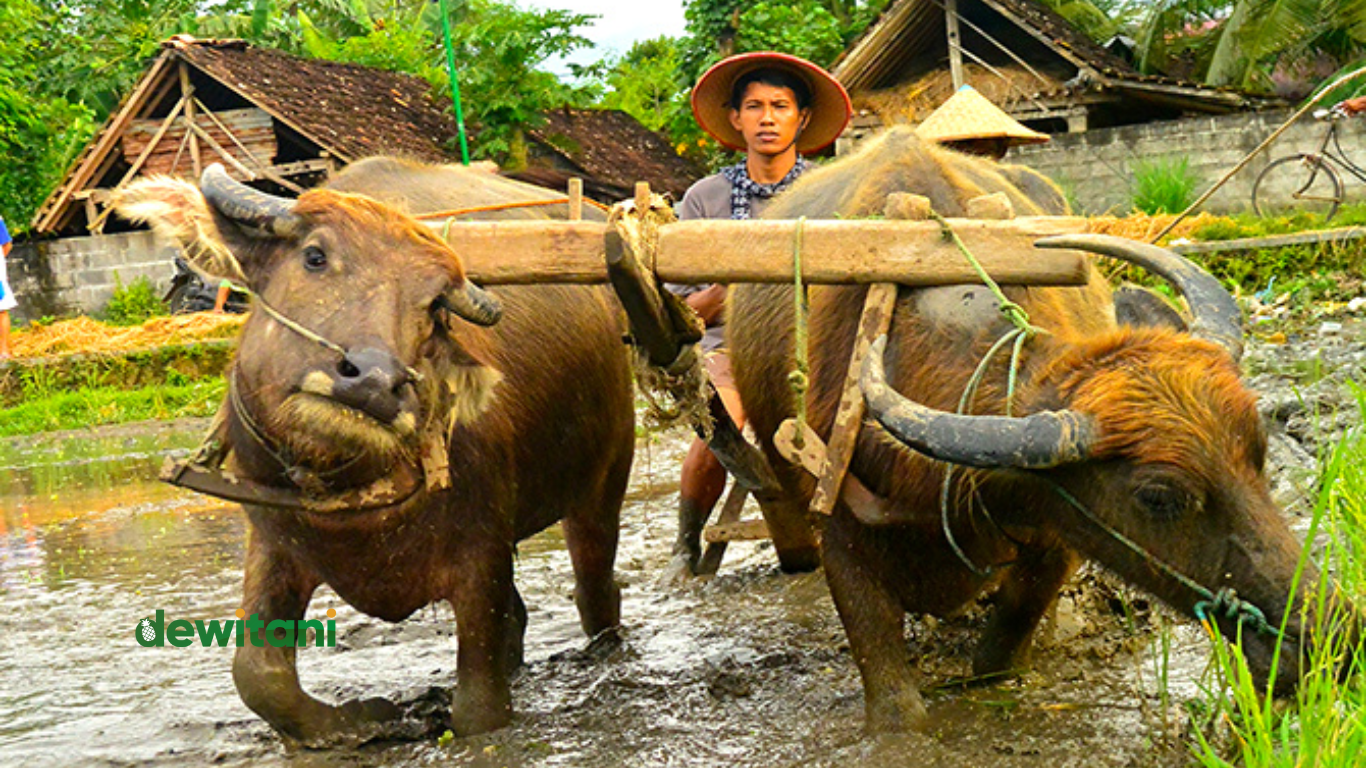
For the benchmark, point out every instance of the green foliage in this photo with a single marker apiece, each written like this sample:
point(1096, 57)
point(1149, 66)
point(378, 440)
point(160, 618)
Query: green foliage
point(805, 29)
point(499, 50)
point(39, 133)
point(645, 83)
point(91, 406)
point(1164, 185)
point(134, 303)
point(1326, 724)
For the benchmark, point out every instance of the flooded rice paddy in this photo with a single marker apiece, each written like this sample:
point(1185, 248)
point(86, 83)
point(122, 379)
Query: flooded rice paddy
point(749, 668)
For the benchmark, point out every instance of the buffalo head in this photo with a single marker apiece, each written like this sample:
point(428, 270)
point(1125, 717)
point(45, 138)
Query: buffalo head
point(362, 340)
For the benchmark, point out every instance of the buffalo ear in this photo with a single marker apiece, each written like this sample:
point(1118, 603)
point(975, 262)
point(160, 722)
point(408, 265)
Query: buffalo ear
point(1139, 307)
point(177, 211)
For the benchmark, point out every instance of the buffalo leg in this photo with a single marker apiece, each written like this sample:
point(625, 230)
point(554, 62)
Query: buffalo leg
point(590, 534)
point(485, 603)
point(1027, 591)
point(873, 621)
point(267, 678)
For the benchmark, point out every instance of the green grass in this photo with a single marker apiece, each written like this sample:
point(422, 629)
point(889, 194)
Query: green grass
point(1325, 724)
point(86, 407)
point(1164, 185)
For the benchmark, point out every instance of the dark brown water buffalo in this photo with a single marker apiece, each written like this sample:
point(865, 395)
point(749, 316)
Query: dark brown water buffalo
point(507, 425)
point(1138, 448)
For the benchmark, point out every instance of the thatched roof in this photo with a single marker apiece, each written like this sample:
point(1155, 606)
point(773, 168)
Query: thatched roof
point(284, 123)
point(610, 150)
point(1047, 68)
point(267, 115)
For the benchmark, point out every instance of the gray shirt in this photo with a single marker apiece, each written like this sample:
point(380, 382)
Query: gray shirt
point(709, 198)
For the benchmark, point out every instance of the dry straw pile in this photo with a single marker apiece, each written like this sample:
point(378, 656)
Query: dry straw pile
point(83, 335)
point(1143, 226)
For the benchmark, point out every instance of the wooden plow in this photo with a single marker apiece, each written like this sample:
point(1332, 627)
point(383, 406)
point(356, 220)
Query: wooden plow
point(642, 245)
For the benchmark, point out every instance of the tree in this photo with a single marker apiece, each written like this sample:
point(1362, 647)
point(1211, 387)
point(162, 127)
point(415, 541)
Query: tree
point(645, 83)
point(39, 135)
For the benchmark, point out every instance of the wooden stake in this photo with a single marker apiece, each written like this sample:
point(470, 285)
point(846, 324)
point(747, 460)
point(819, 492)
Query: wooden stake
point(576, 199)
point(955, 43)
point(187, 95)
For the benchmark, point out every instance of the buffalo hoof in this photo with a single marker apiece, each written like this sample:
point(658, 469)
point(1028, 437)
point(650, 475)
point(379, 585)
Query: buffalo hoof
point(355, 723)
point(899, 714)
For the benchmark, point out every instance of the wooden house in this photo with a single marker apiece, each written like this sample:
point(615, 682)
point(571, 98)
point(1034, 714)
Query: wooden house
point(1022, 56)
point(282, 123)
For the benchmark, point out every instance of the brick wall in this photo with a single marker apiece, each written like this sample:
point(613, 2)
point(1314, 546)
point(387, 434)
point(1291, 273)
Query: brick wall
point(1096, 167)
point(77, 275)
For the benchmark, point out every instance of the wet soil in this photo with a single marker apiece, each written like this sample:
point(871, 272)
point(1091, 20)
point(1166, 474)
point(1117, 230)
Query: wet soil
point(749, 668)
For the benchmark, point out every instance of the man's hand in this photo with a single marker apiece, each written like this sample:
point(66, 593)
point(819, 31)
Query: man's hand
point(1352, 106)
point(709, 303)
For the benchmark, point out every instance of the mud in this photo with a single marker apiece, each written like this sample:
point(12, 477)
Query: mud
point(749, 668)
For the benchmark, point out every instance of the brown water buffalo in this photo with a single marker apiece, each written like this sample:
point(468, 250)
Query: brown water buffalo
point(400, 436)
point(1117, 433)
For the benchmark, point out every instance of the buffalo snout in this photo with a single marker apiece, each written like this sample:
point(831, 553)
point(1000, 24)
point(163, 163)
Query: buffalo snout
point(371, 381)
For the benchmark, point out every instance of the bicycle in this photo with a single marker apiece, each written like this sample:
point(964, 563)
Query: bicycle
point(1307, 181)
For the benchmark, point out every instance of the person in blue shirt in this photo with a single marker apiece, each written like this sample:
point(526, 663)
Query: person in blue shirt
point(7, 301)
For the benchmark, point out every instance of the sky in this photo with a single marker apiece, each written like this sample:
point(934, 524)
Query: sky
point(623, 22)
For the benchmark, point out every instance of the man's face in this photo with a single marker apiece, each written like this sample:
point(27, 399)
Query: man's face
point(768, 118)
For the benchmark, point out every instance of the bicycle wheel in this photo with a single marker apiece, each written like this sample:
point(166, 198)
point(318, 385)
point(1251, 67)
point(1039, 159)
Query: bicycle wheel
point(1297, 184)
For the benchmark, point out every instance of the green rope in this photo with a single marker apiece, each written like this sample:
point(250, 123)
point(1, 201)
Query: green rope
point(1018, 316)
point(800, 377)
point(1225, 602)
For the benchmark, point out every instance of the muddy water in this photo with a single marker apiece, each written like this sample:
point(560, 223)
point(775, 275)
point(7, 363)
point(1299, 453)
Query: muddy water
point(747, 669)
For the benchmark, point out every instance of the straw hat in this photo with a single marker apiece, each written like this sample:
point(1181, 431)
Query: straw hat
point(830, 107)
point(969, 115)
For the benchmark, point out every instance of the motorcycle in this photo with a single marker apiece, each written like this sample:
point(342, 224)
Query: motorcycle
point(189, 293)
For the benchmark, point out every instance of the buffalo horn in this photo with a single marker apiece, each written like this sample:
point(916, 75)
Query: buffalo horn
point(1037, 441)
point(1215, 314)
point(474, 304)
point(244, 205)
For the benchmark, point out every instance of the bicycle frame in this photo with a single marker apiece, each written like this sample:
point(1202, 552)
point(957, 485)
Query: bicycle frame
point(1336, 154)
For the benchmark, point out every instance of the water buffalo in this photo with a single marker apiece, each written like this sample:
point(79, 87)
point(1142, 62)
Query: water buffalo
point(1144, 434)
point(421, 435)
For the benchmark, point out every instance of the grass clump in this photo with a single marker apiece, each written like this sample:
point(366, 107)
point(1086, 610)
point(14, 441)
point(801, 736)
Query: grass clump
point(1325, 725)
point(134, 304)
point(1164, 185)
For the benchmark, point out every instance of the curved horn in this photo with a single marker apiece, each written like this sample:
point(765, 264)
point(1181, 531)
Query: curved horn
point(474, 304)
point(1215, 314)
point(1045, 439)
point(245, 205)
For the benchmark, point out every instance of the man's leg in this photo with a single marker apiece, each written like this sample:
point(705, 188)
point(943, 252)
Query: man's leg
point(703, 478)
point(5, 351)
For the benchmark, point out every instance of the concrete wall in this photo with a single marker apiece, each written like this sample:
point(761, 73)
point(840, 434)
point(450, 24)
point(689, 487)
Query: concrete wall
point(77, 275)
point(1095, 168)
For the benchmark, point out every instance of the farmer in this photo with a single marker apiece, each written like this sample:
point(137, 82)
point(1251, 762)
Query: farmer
point(774, 108)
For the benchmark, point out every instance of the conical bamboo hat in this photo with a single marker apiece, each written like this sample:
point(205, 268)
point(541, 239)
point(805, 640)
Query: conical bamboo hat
point(969, 115)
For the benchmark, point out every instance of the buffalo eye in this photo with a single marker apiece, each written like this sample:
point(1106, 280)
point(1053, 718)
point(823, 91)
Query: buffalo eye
point(315, 260)
point(1163, 502)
